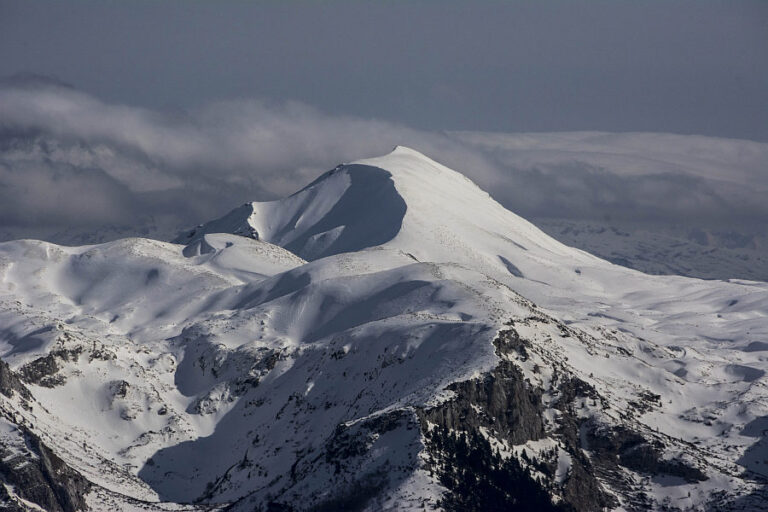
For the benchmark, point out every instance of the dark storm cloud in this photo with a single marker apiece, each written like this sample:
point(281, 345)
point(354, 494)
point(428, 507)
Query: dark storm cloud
point(581, 191)
point(41, 193)
point(69, 161)
point(694, 67)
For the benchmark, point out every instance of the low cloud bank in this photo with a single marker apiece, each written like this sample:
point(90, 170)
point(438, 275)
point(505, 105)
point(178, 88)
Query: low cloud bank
point(69, 161)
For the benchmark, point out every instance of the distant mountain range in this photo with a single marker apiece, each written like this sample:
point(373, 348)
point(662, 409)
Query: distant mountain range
point(710, 253)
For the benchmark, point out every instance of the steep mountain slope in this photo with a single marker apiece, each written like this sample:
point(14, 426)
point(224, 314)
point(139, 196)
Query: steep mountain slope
point(365, 344)
point(403, 201)
point(449, 219)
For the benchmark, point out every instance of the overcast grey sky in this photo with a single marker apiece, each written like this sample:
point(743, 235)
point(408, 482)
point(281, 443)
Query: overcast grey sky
point(683, 67)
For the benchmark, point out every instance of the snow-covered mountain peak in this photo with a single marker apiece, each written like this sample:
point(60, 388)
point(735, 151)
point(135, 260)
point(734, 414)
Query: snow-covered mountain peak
point(419, 178)
point(230, 371)
point(403, 201)
point(403, 160)
point(405, 149)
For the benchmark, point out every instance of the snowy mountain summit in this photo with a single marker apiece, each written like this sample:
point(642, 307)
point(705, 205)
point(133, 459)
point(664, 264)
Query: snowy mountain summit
point(387, 338)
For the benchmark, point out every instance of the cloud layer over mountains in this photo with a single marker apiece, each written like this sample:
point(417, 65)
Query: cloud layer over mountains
point(71, 161)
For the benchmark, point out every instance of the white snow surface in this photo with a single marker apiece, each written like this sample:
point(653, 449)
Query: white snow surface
point(212, 366)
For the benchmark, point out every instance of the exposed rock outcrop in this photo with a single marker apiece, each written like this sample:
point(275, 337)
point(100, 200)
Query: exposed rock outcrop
point(29, 470)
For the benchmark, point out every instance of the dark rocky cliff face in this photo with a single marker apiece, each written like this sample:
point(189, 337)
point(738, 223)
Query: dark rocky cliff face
point(28, 467)
point(10, 384)
point(40, 477)
point(469, 438)
point(500, 401)
point(502, 409)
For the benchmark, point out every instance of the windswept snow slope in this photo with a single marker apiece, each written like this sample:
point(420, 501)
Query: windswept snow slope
point(450, 220)
point(365, 343)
